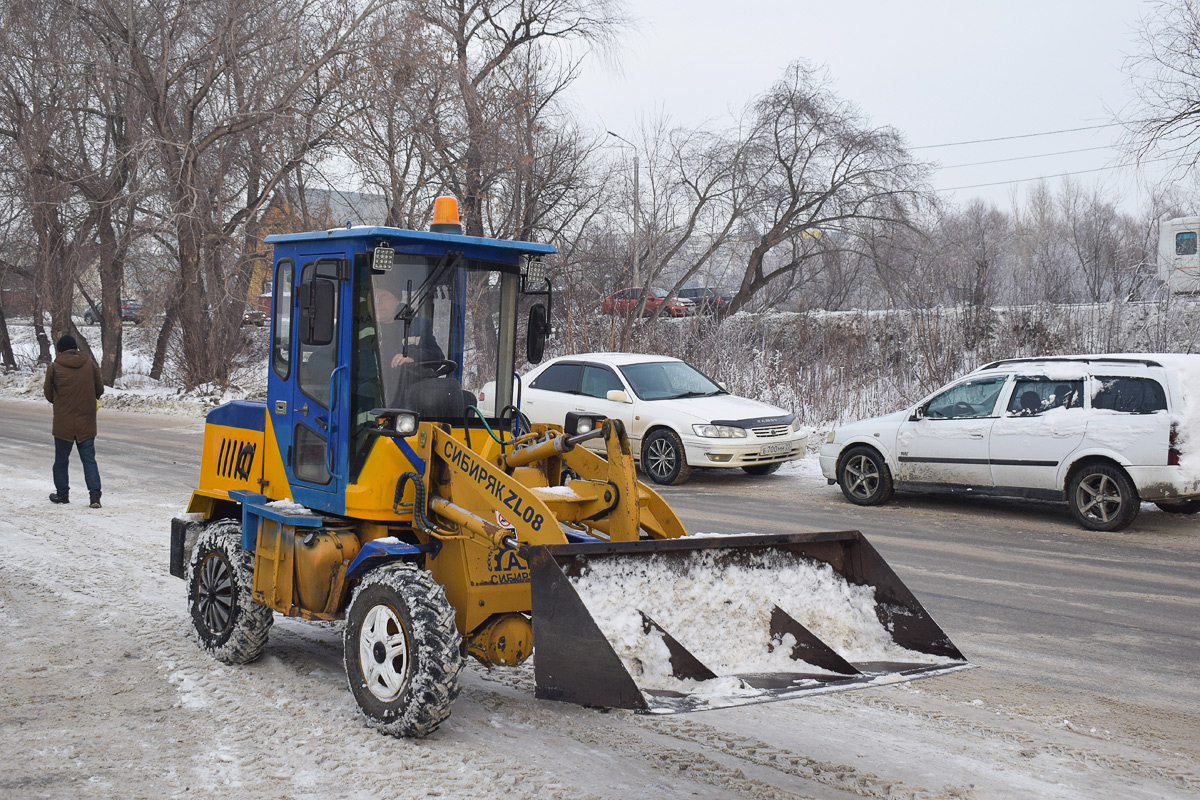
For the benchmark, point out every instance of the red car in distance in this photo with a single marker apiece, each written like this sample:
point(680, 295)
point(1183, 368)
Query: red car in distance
point(625, 301)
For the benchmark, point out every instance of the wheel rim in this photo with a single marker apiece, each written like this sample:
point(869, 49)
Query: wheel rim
point(862, 477)
point(660, 458)
point(1099, 498)
point(383, 653)
point(214, 594)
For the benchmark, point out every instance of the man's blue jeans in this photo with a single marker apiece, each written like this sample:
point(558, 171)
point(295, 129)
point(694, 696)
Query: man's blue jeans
point(87, 456)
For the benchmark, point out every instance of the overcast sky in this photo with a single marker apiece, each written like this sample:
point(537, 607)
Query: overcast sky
point(939, 71)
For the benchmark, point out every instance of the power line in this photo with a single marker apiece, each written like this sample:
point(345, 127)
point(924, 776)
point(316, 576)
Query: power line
point(1048, 177)
point(1020, 136)
point(1025, 158)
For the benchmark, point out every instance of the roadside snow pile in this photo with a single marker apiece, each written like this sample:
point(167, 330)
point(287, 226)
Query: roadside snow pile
point(1186, 369)
point(722, 614)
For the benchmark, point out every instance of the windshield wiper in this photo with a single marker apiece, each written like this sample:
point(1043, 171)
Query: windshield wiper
point(409, 310)
point(692, 394)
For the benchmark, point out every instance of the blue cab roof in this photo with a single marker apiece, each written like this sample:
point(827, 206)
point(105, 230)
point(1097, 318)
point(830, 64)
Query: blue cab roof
point(508, 246)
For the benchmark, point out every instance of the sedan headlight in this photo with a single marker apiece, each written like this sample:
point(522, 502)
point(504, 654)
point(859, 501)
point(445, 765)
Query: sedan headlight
point(720, 431)
point(795, 424)
point(830, 436)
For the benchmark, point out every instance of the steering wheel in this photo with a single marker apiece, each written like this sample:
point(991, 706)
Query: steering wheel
point(961, 409)
point(439, 368)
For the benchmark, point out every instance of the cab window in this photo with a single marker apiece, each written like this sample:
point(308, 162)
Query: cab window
point(559, 378)
point(281, 345)
point(967, 400)
point(1129, 395)
point(1036, 395)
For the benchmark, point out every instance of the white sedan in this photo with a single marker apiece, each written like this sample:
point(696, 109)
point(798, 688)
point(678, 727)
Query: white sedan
point(676, 417)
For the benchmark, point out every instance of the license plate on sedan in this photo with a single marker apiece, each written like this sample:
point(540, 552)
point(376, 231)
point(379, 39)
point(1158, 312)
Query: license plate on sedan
point(777, 449)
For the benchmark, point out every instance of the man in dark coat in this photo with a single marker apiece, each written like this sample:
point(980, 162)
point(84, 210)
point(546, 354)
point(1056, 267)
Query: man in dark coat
point(73, 385)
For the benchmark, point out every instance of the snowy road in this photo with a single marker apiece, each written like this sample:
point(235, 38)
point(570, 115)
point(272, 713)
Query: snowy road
point(1087, 646)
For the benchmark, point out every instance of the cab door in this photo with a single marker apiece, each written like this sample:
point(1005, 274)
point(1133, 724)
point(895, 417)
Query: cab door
point(318, 407)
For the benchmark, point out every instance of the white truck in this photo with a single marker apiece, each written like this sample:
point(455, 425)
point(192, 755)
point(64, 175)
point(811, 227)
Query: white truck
point(1178, 257)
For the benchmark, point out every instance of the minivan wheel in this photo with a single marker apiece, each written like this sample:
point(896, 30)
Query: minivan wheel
point(1102, 498)
point(864, 477)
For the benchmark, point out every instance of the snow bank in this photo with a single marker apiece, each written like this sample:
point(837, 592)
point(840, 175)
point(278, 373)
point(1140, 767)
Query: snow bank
point(1185, 369)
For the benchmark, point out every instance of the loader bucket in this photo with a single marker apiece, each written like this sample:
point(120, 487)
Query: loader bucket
point(671, 625)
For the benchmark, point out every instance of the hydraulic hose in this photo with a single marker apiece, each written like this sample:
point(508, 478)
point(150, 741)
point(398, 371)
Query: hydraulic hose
point(418, 501)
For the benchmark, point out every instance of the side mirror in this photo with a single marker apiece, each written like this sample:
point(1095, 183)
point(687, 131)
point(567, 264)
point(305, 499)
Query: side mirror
point(917, 414)
point(617, 396)
point(317, 298)
point(538, 330)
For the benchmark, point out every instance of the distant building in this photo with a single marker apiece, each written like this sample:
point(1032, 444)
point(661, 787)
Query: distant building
point(1178, 254)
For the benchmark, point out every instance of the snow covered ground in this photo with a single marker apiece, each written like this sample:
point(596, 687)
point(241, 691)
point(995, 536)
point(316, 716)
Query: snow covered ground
point(104, 694)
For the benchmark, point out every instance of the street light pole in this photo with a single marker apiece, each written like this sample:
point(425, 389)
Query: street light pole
point(636, 208)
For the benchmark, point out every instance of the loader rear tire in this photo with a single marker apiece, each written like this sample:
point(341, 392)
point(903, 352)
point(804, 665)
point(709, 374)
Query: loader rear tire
point(231, 627)
point(664, 459)
point(402, 651)
point(864, 476)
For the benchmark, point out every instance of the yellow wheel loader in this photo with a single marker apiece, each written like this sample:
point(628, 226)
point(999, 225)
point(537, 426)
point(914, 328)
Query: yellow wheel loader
point(370, 487)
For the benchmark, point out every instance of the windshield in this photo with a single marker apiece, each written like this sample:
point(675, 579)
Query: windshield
point(413, 310)
point(666, 380)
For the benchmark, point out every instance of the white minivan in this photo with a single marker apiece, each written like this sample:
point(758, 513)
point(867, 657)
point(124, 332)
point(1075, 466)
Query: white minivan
point(1103, 432)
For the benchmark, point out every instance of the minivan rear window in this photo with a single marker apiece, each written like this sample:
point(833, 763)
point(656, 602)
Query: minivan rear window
point(1130, 395)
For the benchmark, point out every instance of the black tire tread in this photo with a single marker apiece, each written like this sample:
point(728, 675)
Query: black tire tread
point(1129, 509)
point(439, 657)
point(1185, 507)
point(252, 622)
point(683, 472)
point(884, 491)
point(762, 469)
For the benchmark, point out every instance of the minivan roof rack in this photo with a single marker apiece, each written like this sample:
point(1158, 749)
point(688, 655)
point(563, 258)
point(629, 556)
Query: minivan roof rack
point(1085, 359)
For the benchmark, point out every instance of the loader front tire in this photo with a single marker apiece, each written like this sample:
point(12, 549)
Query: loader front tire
point(231, 627)
point(402, 651)
point(664, 459)
point(864, 476)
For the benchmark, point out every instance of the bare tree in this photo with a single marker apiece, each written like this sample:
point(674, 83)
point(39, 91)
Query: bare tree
point(818, 173)
point(1166, 75)
point(238, 96)
point(502, 65)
